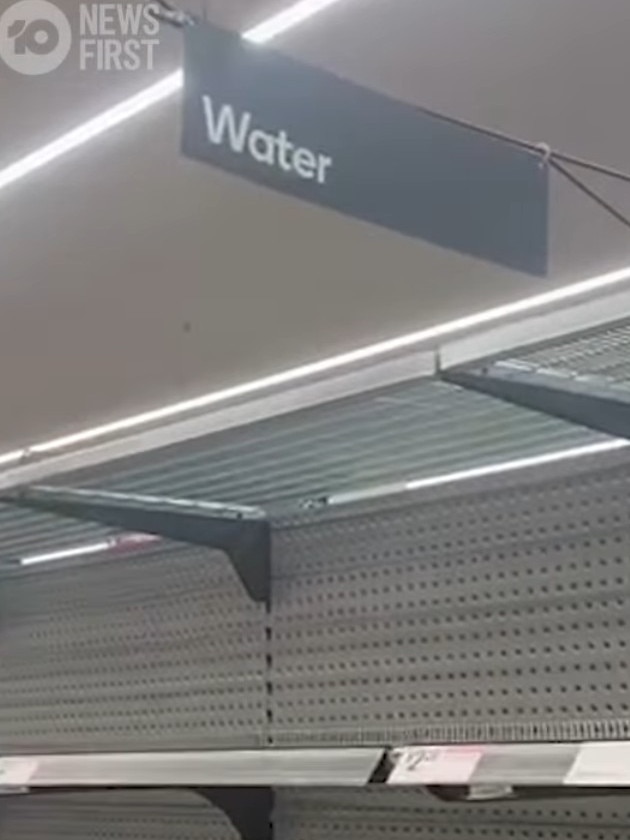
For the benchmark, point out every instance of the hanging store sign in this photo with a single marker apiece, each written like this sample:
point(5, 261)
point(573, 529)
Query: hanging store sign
point(302, 131)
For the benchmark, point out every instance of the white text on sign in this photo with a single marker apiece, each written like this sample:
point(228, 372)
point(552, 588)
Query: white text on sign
point(225, 125)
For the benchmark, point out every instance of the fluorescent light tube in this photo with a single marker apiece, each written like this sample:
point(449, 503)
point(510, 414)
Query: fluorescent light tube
point(12, 457)
point(287, 19)
point(66, 553)
point(123, 543)
point(87, 131)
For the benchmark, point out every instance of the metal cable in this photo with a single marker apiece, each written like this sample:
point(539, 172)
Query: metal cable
point(593, 167)
point(588, 191)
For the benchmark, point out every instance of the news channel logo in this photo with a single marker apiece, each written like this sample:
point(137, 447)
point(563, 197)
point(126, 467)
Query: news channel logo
point(36, 36)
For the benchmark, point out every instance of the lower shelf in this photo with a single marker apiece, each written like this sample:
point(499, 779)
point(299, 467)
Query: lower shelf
point(588, 764)
point(229, 768)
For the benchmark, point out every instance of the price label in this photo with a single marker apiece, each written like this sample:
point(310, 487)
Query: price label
point(16, 772)
point(435, 765)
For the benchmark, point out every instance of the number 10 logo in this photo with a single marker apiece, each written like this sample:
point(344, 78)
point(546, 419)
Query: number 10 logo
point(35, 37)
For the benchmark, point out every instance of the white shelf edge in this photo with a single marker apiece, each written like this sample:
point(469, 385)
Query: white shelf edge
point(276, 768)
point(586, 764)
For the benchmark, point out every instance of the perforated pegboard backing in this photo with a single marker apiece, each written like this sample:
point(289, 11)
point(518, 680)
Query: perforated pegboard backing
point(162, 650)
point(412, 815)
point(120, 815)
point(494, 614)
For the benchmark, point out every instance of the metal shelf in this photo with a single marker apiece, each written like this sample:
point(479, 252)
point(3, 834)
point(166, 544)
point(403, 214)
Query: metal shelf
point(227, 768)
point(587, 764)
point(365, 423)
point(295, 448)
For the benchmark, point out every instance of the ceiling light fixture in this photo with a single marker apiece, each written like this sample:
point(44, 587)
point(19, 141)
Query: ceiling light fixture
point(12, 457)
point(287, 19)
point(87, 131)
point(262, 33)
point(66, 553)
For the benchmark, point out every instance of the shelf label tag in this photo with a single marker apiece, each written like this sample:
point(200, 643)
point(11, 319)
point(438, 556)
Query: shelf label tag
point(16, 772)
point(435, 765)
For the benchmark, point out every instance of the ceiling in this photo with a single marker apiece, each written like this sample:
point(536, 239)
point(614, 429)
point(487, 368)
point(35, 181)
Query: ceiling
point(130, 277)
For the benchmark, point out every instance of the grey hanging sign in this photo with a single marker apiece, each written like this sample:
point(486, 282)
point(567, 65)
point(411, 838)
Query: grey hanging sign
point(305, 132)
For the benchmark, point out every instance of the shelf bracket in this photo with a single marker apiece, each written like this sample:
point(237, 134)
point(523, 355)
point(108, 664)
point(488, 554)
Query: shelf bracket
point(242, 533)
point(250, 810)
point(588, 401)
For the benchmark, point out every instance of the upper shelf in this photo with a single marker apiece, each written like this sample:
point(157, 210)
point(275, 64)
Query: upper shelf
point(372, 423)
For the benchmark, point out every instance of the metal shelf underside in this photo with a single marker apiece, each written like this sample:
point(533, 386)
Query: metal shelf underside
point(384, 422)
